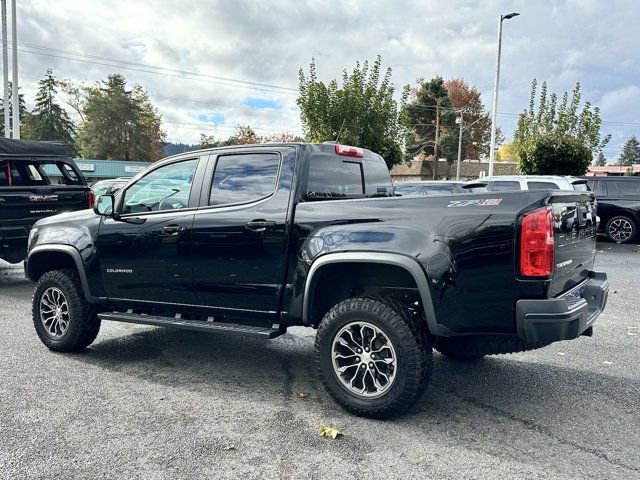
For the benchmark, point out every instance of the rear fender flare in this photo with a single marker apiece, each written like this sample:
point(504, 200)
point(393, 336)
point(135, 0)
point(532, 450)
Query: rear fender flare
point(403, 261)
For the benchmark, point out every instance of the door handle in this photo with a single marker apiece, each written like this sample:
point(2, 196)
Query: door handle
point(260, 225)
point(174, 229)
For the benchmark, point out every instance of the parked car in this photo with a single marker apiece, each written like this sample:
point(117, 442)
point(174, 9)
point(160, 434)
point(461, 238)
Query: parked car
point(28, 194)
point(422, 188)
point(276, 235)
point(108, 186)
point(618, 206)
point(526, 182)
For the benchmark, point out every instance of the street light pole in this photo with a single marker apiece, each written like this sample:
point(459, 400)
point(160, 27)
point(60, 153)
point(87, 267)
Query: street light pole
point(459, 146)
point(5, 71)
point(15, 93)
point(495, 91)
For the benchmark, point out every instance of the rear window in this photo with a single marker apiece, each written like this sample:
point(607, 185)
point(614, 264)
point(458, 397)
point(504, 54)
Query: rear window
point(18, 173)
point(332, 177)
point(446, 188)
point(624, 188)
point(505, 185)
point(377, 179)
point(542, 186)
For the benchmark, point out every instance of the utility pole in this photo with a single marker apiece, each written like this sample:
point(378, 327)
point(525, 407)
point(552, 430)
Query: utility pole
point(495, 91)
point(5, 70)
point(459, 146)
point(15, 92)
point(435, 147)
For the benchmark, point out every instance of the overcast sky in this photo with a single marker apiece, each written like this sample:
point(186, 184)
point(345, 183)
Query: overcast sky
point(266, 42)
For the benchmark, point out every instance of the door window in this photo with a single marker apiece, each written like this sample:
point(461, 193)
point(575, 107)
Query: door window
point(505, 185)
point(244, 178)
point(627, 188)
point(600, 188)
point(542, 186)
point(165, 188)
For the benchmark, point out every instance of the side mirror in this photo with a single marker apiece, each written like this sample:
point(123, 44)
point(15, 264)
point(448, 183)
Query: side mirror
point(104, 205)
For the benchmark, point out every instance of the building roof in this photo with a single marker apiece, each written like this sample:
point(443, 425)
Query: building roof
point(613, 170)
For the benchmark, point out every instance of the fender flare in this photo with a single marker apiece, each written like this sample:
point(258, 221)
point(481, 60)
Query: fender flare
point(408, 263)
point(75, 255)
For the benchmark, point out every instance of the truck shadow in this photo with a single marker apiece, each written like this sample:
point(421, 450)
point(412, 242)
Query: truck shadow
point(495, 385)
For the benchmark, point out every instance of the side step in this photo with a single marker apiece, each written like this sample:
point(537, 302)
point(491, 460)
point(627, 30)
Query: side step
point(198, 325)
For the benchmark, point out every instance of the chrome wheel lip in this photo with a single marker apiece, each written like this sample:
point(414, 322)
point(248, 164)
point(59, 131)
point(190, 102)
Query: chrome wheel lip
point(54, 312)
point(364, 375)
point(620, 230)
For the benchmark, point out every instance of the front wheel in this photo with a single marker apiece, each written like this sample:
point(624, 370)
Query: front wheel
point(621, 229)
point(62, 317)
point(372, 357)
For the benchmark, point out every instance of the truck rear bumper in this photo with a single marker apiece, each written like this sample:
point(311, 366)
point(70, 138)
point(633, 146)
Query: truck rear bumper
point(565, 317)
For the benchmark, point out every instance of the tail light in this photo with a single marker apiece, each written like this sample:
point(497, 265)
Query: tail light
point(91, 199)
point(536, 244)
point(347, 151)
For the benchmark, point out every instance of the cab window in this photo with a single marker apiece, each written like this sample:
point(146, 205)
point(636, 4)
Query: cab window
point(542, 186)
point(165, 188)
point(244, 178)
point(505, 185)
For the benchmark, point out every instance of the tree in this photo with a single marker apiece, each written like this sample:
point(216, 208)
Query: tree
point(550, 154)
point(506, 153)
point(24, 114)
point(362, 112)
point(601, 161)
point(466, 98)
point(244, 135)
point(563, 121)
point(630, 154)
point(48, 120)
point(420, 121)
point(119, 123)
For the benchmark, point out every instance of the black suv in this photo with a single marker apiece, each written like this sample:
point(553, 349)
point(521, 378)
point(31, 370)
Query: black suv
point(618, 206)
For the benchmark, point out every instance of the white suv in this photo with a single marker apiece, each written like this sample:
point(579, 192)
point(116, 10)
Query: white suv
point(526, 182)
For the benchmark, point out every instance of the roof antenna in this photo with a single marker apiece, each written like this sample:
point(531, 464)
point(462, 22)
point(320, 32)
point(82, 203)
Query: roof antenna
point(340, 131)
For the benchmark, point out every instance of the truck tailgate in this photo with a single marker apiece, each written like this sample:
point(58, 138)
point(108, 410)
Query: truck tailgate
point(27, 204)
point(575, 240)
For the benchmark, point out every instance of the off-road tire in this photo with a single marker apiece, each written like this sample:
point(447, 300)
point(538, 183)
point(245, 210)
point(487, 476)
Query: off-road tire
point(413, 352)
point(84, 324)
point(474, 347)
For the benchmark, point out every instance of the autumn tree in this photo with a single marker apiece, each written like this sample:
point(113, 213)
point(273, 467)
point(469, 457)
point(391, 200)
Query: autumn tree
point(48, 120)
point(119, 123)
point(245, 135)
point(466, 99)
point(362, 111)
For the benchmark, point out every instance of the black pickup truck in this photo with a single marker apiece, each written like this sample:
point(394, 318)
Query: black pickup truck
point(253, 239)
point(28, 194)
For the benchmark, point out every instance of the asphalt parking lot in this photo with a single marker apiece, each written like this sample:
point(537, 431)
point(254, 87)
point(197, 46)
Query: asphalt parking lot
point(152, 403)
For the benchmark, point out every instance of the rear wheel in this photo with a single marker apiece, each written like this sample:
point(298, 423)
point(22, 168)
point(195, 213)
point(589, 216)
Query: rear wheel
point(372, 358)
point(621, 229)
point(62, 317)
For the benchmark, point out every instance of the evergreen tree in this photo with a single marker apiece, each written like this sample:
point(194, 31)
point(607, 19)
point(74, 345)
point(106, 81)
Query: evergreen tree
point(49, 121)
point(630, 154)
point(119, 123)
point(24, 114)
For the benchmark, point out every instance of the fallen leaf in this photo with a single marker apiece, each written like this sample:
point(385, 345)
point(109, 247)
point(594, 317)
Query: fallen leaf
point(302, 394)
point(229, 447)
point(330, 432)
point(607, 362)
point(561, 354)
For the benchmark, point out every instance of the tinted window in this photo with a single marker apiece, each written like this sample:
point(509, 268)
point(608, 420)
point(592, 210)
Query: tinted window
point(506, 185)
point(409, 190)
point(445, 188)
point(627, 187)
point(542, 186)
point(600, 188)
point(377, 179)
point(581, 187)
point(165, 188)
point(329, 178)
point(244, 178)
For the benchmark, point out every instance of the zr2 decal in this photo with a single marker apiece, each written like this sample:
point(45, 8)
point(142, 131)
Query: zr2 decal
point(485, 202)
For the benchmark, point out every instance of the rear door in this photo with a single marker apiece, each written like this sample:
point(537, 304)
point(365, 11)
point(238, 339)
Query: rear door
point(240, 232)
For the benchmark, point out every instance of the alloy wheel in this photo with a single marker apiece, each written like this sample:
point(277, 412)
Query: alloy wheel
point(620, 230)
point(54, 312)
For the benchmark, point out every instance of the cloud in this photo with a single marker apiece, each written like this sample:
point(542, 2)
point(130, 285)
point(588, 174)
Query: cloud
point(268, 41)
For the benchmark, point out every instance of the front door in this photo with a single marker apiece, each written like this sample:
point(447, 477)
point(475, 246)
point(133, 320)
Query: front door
point(145, 255)
point(239, 236)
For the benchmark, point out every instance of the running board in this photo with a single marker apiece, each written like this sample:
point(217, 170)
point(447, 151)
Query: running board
point(198, 325)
